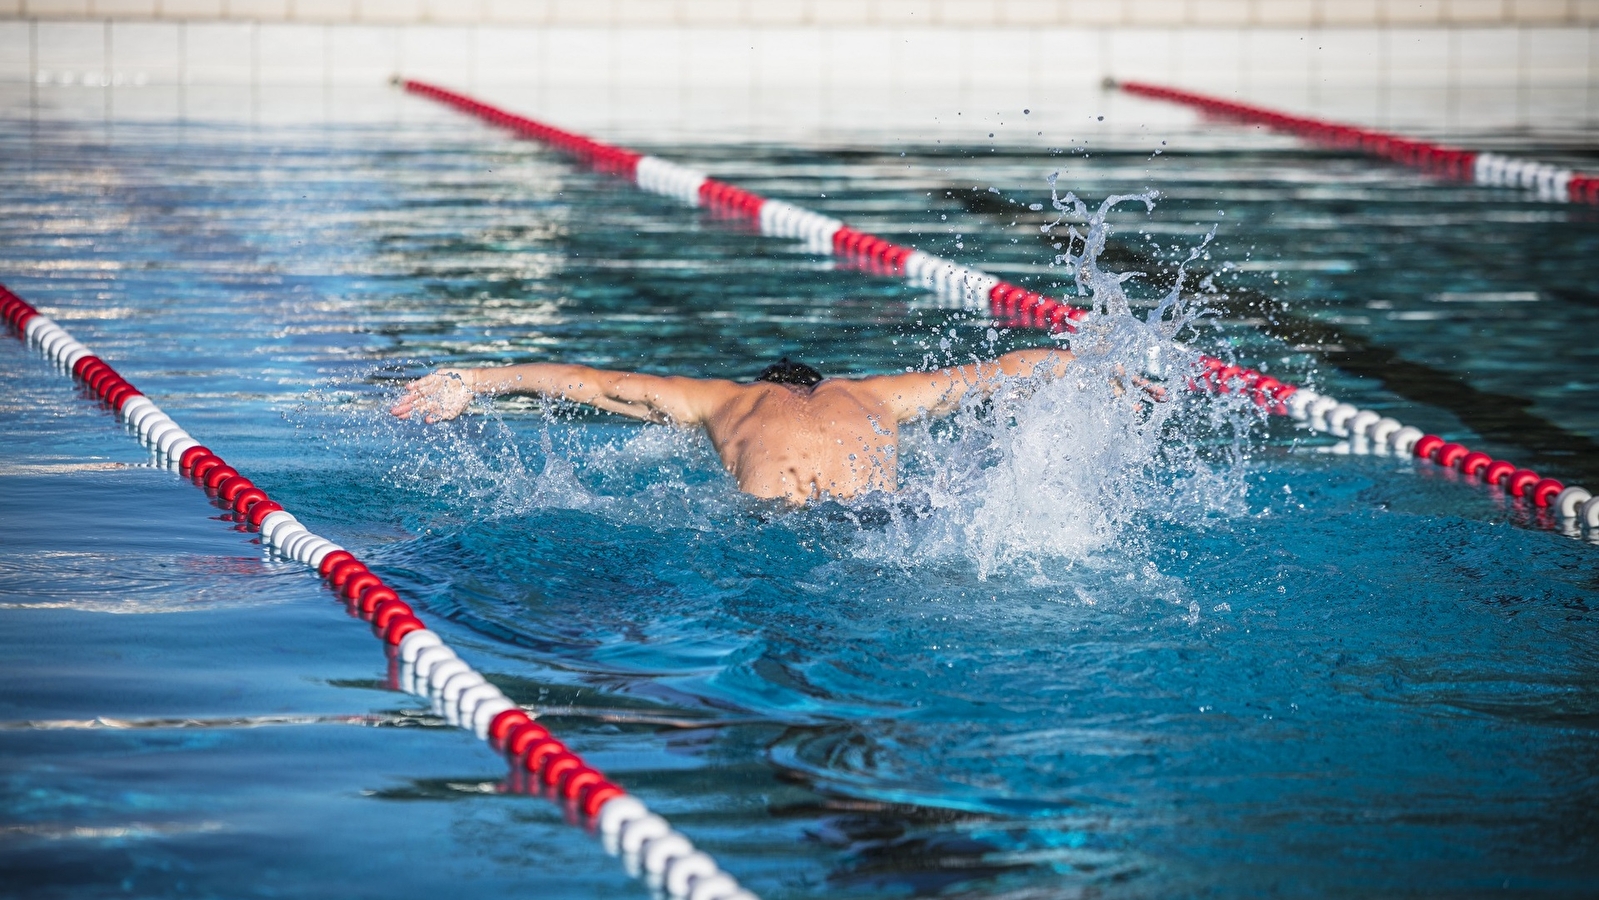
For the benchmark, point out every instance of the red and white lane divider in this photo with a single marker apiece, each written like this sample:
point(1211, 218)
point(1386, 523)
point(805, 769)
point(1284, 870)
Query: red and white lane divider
point(1372, 432)
point(650, 847)
point(955, 285)
point(1368, 431)
point(1551, 182)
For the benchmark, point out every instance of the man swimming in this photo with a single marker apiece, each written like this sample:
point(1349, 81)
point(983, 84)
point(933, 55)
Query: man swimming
point(790, 434)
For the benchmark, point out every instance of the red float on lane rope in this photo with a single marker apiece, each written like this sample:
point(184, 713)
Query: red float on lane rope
point(232, 486)
point(244, 500)
point(333, 559)
point(400, 627)
point(344, 571)
point(503, 724)
point(218, 475)
point(386, 612)
point(190, 457)
point(1521, 480)
point(1450, 454)
point(355, 585)
point(519, 738)
point(1475, 462)
point(369, 599)
point(204, 466)
point(1545, 490)
point(1497, 471)
point(260, 511)
point(1428, 445)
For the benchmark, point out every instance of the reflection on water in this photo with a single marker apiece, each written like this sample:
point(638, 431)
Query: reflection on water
point(1096, 644)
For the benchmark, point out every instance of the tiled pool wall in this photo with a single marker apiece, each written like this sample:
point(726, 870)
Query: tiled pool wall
point(785, 68)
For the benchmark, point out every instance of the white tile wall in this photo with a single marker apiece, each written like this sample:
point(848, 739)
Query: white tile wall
point(994, 58)
point(389, 11)
point(56, 8)
point(67, 51)
point(512, 56)
point(646, 57)
point(324, 10)
point(1557, 56)
point(292, 54)
point(1208, 59)
point(220, 53)
point(1352, 13)
point(1027, 12)
point(578, 58)
point(268, 10)
point(441, 53)
point(926, 59)
point(1088, 12)
point(16, 65)
point(1488, 57)
point(363, 54)
point(1475, 12)
point(1143, 54)
point(125, 8)
point(788, 58)
point(1219, 12)
point(181, 9)
point(1419, 57)
point(841, 12)
point(1342, 56)
point(783, 78)
point(895, 13)
point(145, 53)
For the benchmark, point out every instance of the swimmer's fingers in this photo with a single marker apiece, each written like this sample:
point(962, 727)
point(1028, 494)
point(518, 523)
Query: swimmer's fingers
point(1151, 390)
point(444, 405)
point(415, 396)
point(440, 396)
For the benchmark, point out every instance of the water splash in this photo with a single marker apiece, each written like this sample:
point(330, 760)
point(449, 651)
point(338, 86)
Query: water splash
point(1068, 469)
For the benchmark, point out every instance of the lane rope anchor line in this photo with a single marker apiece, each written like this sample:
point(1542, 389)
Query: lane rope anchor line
point(427, 667)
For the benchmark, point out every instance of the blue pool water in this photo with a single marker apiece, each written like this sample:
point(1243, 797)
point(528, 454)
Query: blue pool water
point(1068, 660)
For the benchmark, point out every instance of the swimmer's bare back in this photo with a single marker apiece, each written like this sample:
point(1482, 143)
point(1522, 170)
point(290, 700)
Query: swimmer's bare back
point(838, 438)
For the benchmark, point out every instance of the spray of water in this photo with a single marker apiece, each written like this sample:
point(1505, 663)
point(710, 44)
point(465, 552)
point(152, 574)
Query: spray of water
point(1064, 470)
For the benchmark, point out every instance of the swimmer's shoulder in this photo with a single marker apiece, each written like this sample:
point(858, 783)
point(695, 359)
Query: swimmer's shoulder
point(865, 392)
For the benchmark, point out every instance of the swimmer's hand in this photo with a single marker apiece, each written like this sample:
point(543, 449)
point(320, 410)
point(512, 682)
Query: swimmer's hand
point(439, 397)
point(1151, 390)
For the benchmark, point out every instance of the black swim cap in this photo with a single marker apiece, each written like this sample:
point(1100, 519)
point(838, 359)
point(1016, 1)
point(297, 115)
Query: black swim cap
point(785, 372)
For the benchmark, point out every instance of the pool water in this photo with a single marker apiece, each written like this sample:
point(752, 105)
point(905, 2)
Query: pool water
point(1093, 648)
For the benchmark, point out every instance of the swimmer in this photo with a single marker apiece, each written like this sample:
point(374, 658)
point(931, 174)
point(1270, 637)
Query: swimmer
point(789, 434)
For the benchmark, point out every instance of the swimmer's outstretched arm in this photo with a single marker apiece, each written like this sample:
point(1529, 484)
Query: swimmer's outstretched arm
point(675, 400)
point(939, 392)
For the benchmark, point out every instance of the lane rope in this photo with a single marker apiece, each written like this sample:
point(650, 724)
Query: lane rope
point(1553, 183)
point(650, 848)
point(955, 286)
point(961, 286)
